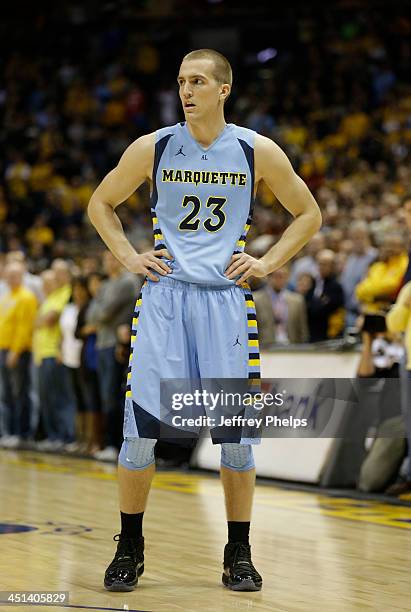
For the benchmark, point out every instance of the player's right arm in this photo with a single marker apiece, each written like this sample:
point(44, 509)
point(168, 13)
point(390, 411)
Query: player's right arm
point(134, 167)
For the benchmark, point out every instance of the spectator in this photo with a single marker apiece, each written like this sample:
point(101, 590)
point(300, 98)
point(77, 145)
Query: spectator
point(356, 267)
point(399, 320)
point(56, 416)
point(325, 300)
point(406, 209)
point(71, 347)
point(281, 314)
point(17, 313)
point(381, 356)
point(40, 232)
point(112, 306)
point(34, 283)
point(377, 290)
point(305, 284)
point(31, 281)
point(88, 364)
point(3, 285)
point(90, 265)
point(308, 263)
point(62, 273)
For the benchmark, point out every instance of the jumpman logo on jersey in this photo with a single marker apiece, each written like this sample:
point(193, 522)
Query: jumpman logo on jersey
point(180, 151)
point(237, 342)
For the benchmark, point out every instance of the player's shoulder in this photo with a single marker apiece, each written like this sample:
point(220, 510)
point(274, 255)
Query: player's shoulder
point(148, 141)
point(259, 146)
point(265, 143)
point(141, 146)
point(168, 131)
point(266, 148)
point(244, 134)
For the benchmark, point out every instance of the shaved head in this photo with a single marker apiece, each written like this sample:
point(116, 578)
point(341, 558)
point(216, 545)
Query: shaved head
point(222, 69)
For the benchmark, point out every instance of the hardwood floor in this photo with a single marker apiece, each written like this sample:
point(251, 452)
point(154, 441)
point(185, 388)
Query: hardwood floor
point(316, 553)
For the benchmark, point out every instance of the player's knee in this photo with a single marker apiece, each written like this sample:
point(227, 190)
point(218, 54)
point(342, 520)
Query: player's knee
point(238, 457)
point(137, 453)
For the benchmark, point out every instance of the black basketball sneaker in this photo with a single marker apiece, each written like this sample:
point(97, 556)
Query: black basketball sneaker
point(239, 572)
point(127, 566)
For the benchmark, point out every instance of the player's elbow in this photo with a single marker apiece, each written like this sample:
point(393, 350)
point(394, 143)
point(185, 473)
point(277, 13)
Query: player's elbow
point(95, 209)
point(313, 220)
point(317, 220)
point(92, 209)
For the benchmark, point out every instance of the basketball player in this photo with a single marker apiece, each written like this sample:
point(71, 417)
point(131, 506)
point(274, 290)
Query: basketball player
point(195, 316)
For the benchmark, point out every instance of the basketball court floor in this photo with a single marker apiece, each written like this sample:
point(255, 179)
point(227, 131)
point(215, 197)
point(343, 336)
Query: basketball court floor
point(315, 552)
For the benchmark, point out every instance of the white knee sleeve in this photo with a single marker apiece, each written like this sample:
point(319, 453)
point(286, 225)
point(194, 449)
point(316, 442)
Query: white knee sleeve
point(137, 453)
point(238, 457)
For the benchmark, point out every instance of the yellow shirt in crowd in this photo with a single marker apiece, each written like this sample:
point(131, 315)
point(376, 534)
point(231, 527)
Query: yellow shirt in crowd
point(399, 319)
point(47, 339)
point(17, 313)
point(382, 281)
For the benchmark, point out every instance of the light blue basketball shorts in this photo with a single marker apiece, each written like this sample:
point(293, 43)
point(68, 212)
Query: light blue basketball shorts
point(190, 331)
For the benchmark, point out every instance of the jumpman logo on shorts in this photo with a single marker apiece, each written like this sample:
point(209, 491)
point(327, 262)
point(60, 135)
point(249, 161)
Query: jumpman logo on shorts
point(237, 342)
point(180, 151)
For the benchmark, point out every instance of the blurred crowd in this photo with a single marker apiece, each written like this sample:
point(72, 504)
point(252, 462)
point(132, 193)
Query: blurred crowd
point(64, 348)
point(66, 117)
point(324, 293)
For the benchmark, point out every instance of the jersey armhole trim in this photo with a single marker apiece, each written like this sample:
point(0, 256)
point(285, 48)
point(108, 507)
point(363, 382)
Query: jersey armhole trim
point(158, 152)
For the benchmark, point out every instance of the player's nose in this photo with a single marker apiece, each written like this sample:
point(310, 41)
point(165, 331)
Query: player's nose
point(187, 93)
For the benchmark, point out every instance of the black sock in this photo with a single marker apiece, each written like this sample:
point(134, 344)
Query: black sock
point(238, 531)
point(132, 525)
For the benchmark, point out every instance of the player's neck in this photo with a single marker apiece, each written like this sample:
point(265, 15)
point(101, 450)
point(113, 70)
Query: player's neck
point(206, 131)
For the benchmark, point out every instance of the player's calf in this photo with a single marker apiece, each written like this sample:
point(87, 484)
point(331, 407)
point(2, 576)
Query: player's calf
point(239, 573)
point(136, 458)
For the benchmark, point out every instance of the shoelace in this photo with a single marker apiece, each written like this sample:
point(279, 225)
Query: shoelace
point(243, 559)
point(125, 551)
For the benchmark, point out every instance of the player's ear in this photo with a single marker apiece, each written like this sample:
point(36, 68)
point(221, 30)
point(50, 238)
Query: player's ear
point(225, 91)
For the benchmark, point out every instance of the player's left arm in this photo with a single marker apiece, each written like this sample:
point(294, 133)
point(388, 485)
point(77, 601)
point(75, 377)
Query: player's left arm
point(273, 166)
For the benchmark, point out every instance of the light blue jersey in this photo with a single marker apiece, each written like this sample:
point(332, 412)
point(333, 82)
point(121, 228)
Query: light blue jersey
point(202, 200)
point(194, 324)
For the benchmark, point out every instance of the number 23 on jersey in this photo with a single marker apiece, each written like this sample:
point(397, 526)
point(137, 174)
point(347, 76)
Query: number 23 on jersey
point(211, 224)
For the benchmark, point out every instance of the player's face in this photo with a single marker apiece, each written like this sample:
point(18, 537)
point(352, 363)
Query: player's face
point(200, 93)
